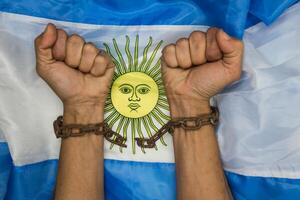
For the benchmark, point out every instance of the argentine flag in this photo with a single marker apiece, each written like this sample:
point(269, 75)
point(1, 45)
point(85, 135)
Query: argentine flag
point(259, 130)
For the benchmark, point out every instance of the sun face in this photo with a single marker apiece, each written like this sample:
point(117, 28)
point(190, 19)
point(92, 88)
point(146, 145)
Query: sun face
point(137, 106)
point(134, 94)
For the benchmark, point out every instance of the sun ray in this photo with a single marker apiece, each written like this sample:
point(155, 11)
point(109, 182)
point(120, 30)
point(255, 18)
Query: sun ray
point(129, 56)
point(162, 99)
point(161, 87)
point(149, 62)
point(163, 106)
point(114, 119)
point(117, 64)
point(115, 76)
point(119, 127)
point(121, 59)
point(162, 92)
point(133, 128)
point(145, 53)
point(118, 131)
point(125, 127)
point(161, 114)
point(156, 117)
point(111, 115)
point(154, 68)
point(157, 76)
point(136, 53)
point(108, 100)
point(152, 125)
point(161, 123)
point(148, 130)
point(108, 109)
point(139, 131)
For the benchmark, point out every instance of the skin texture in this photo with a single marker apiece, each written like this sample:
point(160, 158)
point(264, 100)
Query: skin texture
point(80, 74)
point(195, 69)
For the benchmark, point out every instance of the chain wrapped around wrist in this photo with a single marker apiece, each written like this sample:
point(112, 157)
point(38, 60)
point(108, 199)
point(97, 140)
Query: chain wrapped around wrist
point(76, 130)
point(187, 123)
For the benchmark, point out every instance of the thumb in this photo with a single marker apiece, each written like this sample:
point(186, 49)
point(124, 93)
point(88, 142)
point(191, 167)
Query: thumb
point(45, 42)
point(231, 48)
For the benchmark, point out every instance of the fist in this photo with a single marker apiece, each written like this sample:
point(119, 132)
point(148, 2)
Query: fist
point(78, 72)
point(197, 68)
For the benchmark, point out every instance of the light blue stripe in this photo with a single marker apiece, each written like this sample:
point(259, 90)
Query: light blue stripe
point(228, 14)
point(138, 180)
point(32, 182)
point(260, 188)
point(5, 168)
point(232, 16)
point(269, 10)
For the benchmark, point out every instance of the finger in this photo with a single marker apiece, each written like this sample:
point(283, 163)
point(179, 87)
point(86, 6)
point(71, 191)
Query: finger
point(59, 49)
point(169, 55)
point(45, 42)
point(89, 54)
point(183, 53)
point(213, 52)
point(73, 51)
point(232, 50)
point(101, 63)
point(197, 42)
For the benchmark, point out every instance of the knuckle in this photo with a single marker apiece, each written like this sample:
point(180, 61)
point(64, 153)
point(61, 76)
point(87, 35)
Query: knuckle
point(182, 42)
point(61, 32)
point(212, 30)
point(197, 36)
point(75, 39)
point(101, 60)
point(168, 50)
point(90, 47)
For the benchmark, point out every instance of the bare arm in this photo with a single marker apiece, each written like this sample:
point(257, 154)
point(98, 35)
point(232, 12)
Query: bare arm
point(80, 172)
point(195, 69)
point(80, 74)
point(198, 165)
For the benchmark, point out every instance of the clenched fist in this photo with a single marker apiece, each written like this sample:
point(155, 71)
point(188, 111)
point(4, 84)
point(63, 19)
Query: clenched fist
point(197, 68)
point(78, 72)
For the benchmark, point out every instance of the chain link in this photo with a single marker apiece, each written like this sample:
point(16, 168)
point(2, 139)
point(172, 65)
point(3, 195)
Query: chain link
point(76, 130)
point(114, 137)
point(189, 123)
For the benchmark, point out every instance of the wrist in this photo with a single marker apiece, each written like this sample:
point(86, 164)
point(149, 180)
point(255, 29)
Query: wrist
point(83, 114)
point(189, 108)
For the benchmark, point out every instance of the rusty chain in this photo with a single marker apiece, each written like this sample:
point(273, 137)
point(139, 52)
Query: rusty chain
point(189, 123)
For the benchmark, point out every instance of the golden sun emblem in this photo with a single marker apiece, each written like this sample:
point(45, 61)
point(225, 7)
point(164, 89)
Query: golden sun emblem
point(137, 104)
point(134, 94)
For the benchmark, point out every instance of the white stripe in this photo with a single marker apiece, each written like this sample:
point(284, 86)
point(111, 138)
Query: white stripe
point(29, 106)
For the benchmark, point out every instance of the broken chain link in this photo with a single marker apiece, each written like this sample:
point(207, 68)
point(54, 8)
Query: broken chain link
point(188, 123)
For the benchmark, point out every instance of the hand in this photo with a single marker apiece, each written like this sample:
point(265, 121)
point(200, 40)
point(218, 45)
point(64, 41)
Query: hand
point(78, 72)
point(197, 68)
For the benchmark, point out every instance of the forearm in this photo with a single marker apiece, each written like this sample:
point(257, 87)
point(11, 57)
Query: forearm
point(198, 166)
point(80, 171)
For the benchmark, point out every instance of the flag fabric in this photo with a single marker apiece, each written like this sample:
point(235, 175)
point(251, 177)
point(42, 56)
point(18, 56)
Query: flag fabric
point(259, 123)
